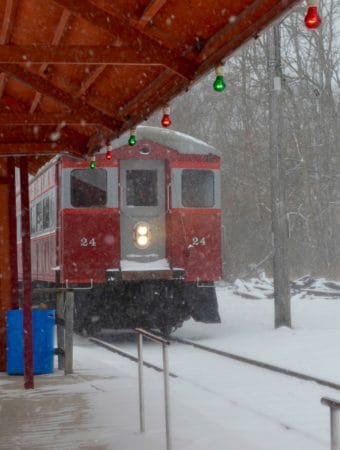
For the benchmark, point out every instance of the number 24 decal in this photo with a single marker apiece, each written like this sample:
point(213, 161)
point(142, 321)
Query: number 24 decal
point(198, 241)
point(84, 242)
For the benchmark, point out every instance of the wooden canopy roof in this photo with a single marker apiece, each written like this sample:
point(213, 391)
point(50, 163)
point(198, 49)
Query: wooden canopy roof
point(76, 73)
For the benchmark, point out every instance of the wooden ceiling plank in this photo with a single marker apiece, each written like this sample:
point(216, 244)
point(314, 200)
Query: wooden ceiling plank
point(145, 94)
point(133, 39)
point(87, 82)
point(78, 54)
point(29, 148)
point(5, 34)
point(227, 40)
point(247, 22)
point(8, 21)
point(40, 118)
point(59, 31)
point(149, 12)
point(219, 38)
point(43, 86)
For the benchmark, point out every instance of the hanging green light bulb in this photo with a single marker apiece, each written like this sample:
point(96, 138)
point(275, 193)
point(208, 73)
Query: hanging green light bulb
point(93, 163)
point(132, 139)
point(219, 83)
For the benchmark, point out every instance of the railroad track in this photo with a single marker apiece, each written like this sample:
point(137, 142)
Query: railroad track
point(114, 349)
point(224, 354)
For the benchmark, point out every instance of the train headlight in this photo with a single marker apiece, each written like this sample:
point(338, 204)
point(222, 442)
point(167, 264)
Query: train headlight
point(141, 234)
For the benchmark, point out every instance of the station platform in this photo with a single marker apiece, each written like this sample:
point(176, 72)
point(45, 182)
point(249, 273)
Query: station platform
point(214, 403)
point(97, 408)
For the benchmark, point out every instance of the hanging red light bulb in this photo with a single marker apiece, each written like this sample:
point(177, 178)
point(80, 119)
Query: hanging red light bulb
point(166, 121)
point(108, 155)
point(312, 18)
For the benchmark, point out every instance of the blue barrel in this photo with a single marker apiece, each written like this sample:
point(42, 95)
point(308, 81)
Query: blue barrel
point(43, 321)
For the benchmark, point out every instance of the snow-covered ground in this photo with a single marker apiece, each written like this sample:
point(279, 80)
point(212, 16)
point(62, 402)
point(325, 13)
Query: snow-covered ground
point(215, 403)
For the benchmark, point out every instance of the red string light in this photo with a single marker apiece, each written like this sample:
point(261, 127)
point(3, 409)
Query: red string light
point(312, 18)
point(108, 155)
point(166, 121)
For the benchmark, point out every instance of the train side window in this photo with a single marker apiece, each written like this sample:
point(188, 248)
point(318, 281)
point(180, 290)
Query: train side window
point(39, 216)
point(88, 188)
point(46, 213)
point(32, 219)
point(141, 188)
point(197, 188)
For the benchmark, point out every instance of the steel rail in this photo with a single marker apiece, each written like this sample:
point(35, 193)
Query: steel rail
point(114, 349)
point(260, 364)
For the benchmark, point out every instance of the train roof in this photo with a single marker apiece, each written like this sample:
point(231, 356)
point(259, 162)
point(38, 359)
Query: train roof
point(181, 142)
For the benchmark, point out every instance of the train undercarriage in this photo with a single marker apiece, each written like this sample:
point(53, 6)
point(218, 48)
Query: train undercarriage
point(162, 305)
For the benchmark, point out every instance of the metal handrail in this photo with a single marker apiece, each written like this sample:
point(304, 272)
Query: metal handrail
point(140, 334)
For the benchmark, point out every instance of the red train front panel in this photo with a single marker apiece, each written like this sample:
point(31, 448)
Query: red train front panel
point(194, 221)
point(90, 243)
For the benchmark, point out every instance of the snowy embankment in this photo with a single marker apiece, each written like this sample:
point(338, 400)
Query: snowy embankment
point(311, 346)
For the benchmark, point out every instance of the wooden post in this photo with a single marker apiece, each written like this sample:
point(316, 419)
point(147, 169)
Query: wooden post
point(60, 328)
point(13, 234)
point(278, 188)
point(5, 257)
point(69, 306)
point(27, 278)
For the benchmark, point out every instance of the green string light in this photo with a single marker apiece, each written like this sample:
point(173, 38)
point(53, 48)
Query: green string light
point(132, 139)
point(93, 163)
point(219, 83)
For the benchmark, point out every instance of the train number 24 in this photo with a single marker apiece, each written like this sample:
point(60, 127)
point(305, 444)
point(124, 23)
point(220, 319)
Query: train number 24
point(198, 241)
point(84, 242)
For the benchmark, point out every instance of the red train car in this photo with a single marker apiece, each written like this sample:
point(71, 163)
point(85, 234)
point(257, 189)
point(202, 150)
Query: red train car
point(139, 235)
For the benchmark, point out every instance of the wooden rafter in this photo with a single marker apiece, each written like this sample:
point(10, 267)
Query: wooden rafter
point(87, 82)
point(40, 118)
point(32, 148)
point(225, 41)
point(55, 41)
point(46, 134)
point(80, 54)
point(134, 39)
point(131, 106)
point(43, 86)
point(149, 12)
point(5, 34)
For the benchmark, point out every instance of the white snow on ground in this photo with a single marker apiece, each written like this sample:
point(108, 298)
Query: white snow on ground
point(215, 403)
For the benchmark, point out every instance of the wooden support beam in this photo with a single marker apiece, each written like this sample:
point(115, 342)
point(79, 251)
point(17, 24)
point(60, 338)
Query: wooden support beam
point(64, 118)
point(81, 54)
point(149, 12)
point(5, 33)
point(46, 88)
point(5, 256)
point(31, 148)
point(134, 39)
point(134, 104)
point(232, 35)
point(87, 82)
point(55, 41)
point(27, 276)
point(13, 234)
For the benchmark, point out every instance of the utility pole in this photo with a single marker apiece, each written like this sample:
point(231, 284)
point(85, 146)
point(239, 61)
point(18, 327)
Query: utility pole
point(278, 185)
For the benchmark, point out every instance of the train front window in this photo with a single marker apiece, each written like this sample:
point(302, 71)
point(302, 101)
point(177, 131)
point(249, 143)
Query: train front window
point(141, 188)
point(88, 188)
point(197, 188)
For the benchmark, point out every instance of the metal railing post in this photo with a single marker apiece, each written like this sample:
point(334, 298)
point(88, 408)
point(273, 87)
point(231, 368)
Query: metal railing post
point(334, 407)
point(166, 395)
point(164, 344)
point(141, 382)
